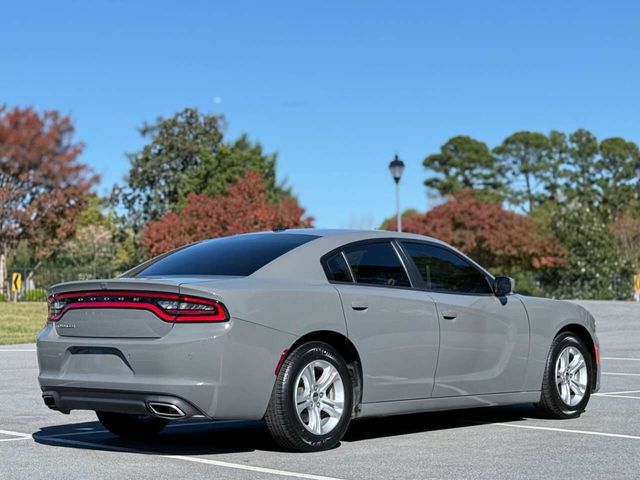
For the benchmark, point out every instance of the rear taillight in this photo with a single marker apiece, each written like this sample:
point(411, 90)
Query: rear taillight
point(193, 309)
point(55, 309)
point(166, 306)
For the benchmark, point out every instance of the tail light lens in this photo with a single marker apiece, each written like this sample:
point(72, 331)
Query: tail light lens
point(166, 306)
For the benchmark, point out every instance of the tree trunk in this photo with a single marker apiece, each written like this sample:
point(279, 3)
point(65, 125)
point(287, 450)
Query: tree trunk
point(3, 271)
point(529, 192)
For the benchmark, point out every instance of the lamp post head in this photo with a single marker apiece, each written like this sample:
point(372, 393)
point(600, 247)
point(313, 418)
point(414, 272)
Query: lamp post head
point(396, 167)
point(638, 170)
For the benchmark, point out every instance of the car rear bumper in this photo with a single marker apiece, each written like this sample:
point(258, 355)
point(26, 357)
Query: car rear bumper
point(65, 399)
point(221, 370)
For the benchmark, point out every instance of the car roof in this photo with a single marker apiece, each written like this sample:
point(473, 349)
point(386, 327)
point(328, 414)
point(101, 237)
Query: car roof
point(303, 262)
point(350, 233)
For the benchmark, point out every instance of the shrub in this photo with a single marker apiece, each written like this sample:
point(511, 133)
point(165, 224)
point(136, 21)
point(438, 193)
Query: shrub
point(35, 295)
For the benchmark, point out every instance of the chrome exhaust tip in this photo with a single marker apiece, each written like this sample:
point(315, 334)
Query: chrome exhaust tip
point(165, 410)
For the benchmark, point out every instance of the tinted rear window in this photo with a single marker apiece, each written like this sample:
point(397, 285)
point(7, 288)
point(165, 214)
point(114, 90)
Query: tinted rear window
point(337, 269)
point(377, 264)
point(237, 256)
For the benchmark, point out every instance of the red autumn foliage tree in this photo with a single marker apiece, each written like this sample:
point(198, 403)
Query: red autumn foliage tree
point(245, 208)
point(491, 235)
point(43, 187)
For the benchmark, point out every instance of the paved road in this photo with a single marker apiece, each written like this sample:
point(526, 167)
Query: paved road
point(488, 443)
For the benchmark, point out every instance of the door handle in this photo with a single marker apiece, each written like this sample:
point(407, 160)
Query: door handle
point(359, 306)
point(449, 315)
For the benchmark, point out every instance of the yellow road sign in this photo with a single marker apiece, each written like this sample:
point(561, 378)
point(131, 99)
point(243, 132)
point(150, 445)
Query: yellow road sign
point(636, 283)
point(16, 282)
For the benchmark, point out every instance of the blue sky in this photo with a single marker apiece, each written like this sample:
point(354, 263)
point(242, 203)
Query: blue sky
point(335, 87)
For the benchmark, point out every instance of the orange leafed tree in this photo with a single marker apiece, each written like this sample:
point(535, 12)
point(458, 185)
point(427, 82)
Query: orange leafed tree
point(245, 208)
point(488, 233)
point(43, 186)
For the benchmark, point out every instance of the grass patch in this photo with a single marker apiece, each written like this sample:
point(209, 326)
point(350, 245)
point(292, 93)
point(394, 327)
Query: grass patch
point(20, 322)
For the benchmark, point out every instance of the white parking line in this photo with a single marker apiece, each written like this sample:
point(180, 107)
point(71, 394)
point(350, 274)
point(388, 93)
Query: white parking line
point(15, 434)
point(622, 374)
point(621, 358)
point(564, 430)
point(618, 393)
point(13, 439)
point(4, 350)
point(617, 396)
point(184, 458)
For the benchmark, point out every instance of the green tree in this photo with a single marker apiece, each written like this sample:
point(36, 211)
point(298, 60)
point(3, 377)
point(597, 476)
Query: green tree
point(525, 156)
point(595, 267)
point(618, 160)
point(177, 145)
point(466, 163)
point(557, 155)
point(230, 162)
point(186, 154)
point(583, 169)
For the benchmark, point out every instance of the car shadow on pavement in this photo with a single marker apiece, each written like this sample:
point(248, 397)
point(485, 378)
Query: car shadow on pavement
point(202, 437)
point(194, 437)
point(370, 428)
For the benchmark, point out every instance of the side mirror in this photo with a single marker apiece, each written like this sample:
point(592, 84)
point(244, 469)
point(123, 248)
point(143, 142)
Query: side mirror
point(503, 286)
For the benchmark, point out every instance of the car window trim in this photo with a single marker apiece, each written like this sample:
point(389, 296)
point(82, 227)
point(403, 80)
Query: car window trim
point(369, 241)
point(420, 281)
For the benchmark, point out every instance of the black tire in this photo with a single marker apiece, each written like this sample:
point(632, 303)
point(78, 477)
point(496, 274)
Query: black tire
point(551, 404)
point(136, 427)
point(286, 428)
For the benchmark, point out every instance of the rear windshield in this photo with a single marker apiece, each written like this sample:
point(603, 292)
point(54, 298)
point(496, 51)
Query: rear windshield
point(240, 255)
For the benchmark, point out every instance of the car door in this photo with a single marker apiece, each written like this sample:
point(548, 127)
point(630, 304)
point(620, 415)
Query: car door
point(394, 328)
point(484, 339)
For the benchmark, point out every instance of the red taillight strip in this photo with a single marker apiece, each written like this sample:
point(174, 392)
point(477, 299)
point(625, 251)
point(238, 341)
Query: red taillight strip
point(182, 316)
point(124, 305)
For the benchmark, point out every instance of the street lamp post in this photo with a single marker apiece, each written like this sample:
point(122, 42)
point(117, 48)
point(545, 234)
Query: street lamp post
point(396, 167)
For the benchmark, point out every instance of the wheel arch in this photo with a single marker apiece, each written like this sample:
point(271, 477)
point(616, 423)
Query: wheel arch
point(347, 350)
point(583, 334)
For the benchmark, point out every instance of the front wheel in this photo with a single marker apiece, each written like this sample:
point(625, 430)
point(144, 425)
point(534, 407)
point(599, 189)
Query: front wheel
point(312, 400)
point(136, 427)
point(569, 371)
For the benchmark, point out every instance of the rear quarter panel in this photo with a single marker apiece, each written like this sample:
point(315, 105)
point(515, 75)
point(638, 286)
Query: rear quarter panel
point(294, 307)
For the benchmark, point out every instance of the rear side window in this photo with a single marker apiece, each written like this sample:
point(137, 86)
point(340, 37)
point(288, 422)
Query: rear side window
point(239, 255)
point(444, 271)
point(376, 264)
point(337, 269)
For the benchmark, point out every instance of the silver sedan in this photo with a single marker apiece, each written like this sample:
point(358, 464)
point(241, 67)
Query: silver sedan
point(309, 329)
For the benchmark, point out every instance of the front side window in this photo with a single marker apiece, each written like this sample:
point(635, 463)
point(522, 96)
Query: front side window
point(444, 271)
point(376, 264)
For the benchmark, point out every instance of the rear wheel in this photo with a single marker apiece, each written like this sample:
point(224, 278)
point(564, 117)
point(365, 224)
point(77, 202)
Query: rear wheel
point(566, 386)
point(312, 401)
point(131, 426)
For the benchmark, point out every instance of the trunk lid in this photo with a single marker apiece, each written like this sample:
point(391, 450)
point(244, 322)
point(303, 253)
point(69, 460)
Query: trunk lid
point(113, 308)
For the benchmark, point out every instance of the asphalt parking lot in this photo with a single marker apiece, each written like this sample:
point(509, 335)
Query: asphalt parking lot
point(511, 442)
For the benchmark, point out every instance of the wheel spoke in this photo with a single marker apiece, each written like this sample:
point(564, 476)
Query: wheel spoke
point(309, 376)
point(331, 408)
point(302, 405)
point(326, 379)
point(565, 359)
point(314, 420)
point(577, 388)
point(565, 393)
point(577, 364)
